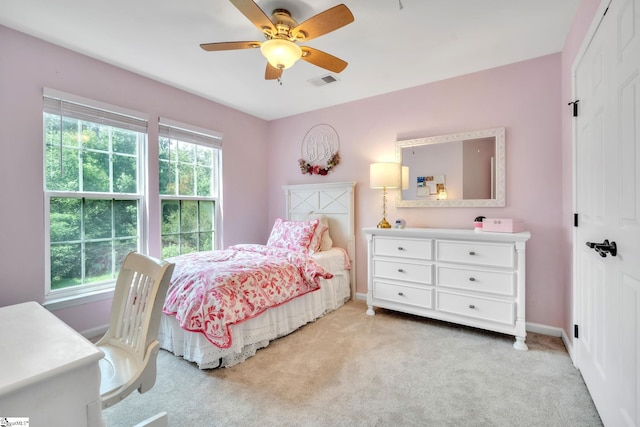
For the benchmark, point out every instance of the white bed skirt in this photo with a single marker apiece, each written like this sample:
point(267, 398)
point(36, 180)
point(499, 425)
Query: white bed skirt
point(255, 333)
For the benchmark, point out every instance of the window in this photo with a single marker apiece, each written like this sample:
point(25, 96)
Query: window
point(93, 187)
point(189, 188)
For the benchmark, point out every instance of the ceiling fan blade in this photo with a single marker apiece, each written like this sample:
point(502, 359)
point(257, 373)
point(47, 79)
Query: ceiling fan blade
point(256, 15)
point(323, 59)
point(324, 22)
point(212, 47)
point(272, 73)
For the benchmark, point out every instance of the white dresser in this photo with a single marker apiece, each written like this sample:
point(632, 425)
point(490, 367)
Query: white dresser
point(461, 276)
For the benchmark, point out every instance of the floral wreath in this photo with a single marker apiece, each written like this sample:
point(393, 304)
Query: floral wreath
point(308, 168)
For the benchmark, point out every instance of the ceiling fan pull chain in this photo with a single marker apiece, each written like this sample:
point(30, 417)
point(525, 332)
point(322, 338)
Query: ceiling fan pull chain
point(400, 4)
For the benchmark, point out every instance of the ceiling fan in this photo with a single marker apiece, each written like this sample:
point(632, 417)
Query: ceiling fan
point(283, 33)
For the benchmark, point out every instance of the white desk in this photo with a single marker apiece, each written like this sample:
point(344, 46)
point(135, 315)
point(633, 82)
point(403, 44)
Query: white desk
point(48, 372)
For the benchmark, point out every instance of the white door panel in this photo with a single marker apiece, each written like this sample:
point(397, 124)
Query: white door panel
point(607, 200)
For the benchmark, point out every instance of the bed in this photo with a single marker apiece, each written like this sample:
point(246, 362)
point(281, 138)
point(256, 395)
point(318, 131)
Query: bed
point(331, 204)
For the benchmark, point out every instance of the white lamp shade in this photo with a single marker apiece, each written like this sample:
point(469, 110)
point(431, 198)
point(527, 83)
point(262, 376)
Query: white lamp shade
point(280, 53)
point(384, 175)
point(405, 177)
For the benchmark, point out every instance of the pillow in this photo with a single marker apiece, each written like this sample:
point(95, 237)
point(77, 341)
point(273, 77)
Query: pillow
point(322, 235)
point(316, 241)
point(293, 235)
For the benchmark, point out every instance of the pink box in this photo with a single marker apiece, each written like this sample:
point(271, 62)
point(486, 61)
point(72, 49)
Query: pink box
point(503, 225)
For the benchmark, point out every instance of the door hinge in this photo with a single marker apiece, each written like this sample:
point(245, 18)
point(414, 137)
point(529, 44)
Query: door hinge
point(575, 107)
point(575, 219)
point(575, 331)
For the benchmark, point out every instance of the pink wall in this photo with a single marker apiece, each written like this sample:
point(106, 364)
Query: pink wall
point(26, 66)
point(524, 97)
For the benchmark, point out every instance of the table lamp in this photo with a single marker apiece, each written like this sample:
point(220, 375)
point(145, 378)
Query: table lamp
point(384, 175)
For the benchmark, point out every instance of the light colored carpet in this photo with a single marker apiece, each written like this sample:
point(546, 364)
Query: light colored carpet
point(350, 369)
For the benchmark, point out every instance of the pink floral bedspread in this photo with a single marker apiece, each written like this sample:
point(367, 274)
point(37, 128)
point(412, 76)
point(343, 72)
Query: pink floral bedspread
point(210, 291)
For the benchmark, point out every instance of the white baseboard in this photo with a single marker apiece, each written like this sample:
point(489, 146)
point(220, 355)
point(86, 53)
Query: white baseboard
point(544, 329)
point(569, 346)
point(554, 332)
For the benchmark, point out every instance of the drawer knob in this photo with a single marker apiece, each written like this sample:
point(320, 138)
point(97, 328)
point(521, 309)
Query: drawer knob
point(400, 294)
point(400, 270)
point(472, 253)
point(472, 279)
point(471, 306)
point(400, 248)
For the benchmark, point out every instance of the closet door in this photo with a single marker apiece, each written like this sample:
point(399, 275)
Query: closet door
point(607, 288)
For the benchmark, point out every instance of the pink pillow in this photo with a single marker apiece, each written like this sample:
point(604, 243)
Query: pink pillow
point(293, 235)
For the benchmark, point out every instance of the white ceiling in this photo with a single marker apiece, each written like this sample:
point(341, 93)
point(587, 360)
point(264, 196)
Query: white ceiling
point(388, 47)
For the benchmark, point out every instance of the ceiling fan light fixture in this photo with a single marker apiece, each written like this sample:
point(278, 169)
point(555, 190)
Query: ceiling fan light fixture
point(280, 53)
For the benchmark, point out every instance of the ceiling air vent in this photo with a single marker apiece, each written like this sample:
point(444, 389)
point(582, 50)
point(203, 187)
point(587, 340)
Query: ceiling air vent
point(324, 80)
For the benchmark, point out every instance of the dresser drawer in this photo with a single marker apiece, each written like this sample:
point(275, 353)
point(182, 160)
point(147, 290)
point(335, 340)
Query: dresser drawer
point(476, 307)
point(488, 254)
point(396, 270)
point(495, 282)
point(405, 248)
point(408, 295)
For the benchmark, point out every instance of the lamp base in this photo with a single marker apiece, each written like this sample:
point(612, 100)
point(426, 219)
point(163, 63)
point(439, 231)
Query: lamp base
point(384, 223)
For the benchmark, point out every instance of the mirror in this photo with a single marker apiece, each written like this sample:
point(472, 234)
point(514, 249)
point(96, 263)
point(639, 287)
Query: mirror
point(458, 170)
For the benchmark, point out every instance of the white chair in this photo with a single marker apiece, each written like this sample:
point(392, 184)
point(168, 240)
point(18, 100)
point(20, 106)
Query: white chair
point(131, 343)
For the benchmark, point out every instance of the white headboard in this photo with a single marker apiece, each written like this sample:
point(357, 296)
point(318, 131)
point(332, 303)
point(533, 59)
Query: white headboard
point(336, 201)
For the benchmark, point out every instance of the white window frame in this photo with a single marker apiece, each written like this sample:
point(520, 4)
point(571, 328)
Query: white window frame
point(91, 110)
point(196, 135)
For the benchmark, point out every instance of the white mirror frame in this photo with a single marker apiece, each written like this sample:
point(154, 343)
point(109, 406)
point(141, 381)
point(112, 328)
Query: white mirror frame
point(498, 201)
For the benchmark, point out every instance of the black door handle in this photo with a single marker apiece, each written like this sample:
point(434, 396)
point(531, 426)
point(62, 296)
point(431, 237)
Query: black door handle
point(604, 248)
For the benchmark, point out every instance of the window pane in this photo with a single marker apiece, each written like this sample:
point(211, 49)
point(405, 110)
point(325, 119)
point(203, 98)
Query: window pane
point(186, 152)
point(204, 181)
point(206, 241)
point(206, 213)
point(61, 169)
point(186, 178)
point(126, 218)
point(124, 142)
point(169, 149)
point(164, 147)
point(66, 265)
point(125, 174)
point(167, 179)
point(204, 155)
point(95, 171)
point(170, 246)
point(189, 217)
point(61, 156)
point(97, 219)
point(99, 262)
point(170, 217)
point(95, 136)
point(65, 219)
point(188, 243)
